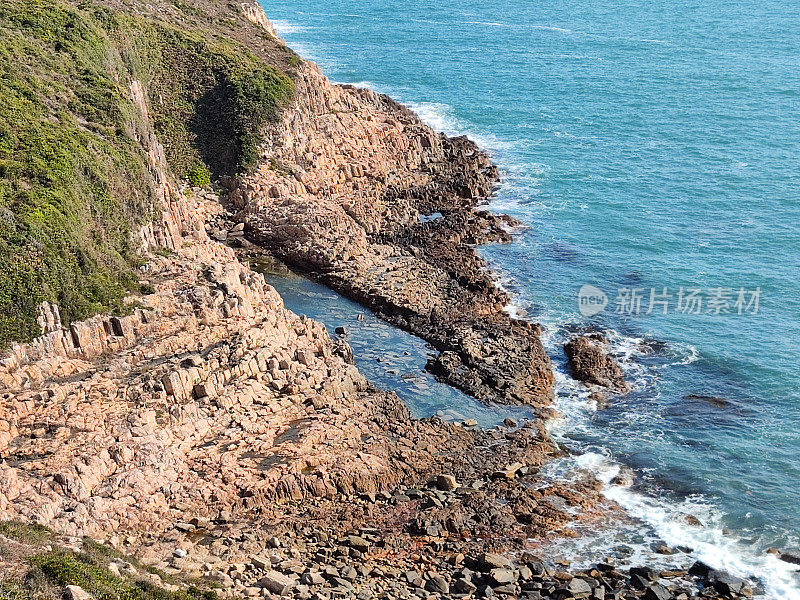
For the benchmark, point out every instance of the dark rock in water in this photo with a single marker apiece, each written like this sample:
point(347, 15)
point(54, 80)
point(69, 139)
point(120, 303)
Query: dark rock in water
point(600, 398)
point(651, 346)
point(713, 400)
point(563, 252)
point(689, 520)
point(662, 548)
point(699, 569)
point(624, 478)
point(623, 551)
point(725, 583)
point(340, 331)
point(790, 557)
point(590, 362)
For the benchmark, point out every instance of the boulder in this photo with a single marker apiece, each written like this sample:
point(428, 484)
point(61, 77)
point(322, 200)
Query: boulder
point(277, 583)
point(579, 588)
point(437, 584)
point(657, 592)
point(463, 586)
point(446, 482)
point(725, 583)
point(792, 558)
point(358, 542)
point(590, 362)
point(502, 576)
point(74, 592)
point(489, 561)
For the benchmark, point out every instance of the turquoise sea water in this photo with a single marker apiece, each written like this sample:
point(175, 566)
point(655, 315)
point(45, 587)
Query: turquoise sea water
point(646, 145)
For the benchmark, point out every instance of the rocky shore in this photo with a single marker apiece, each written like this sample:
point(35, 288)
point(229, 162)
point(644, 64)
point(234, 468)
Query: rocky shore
point(228, 443)
point(358, 193)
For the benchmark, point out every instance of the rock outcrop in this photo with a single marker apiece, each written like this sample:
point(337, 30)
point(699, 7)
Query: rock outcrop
point(209, 390)
point(349, 181)
point(590, 362)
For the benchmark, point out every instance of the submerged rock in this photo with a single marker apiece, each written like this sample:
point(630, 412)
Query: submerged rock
point(712, 400)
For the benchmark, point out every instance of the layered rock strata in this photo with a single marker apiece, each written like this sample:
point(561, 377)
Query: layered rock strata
point(358, 192)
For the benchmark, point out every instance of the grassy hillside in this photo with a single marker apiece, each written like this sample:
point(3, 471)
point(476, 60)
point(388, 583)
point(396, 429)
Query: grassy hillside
point(74, 176)
point(36, 566)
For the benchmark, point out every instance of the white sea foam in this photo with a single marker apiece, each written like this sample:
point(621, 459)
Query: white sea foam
point(685, 354)
point(440, 117)
point(552, 28)
point(708, 541)
point(287, 28)
point(663, 519)
point(364, 84)
point(488, 23)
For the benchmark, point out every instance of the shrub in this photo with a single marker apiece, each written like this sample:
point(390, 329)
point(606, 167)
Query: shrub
point(11, 591)
point(199, 175)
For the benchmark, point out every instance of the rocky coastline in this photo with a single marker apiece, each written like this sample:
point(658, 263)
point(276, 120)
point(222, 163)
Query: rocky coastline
point(358, 193)
point(225, 442)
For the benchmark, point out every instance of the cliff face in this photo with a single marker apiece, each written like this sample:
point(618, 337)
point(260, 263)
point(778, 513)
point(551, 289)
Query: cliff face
point(203, 404)
point(347, 175)
point(341, 177)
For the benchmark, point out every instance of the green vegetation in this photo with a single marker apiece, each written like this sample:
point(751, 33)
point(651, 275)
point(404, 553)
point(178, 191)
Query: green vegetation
point(91, 573)
point(199, 175)
point(72, 179)
point(48, 572)
point(213, 99)
point(29, 533)
point(11, 591)
point(52, 571)
point(74, 174)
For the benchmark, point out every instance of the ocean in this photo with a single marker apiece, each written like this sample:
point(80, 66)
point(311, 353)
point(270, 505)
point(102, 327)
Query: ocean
point(653, 152)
